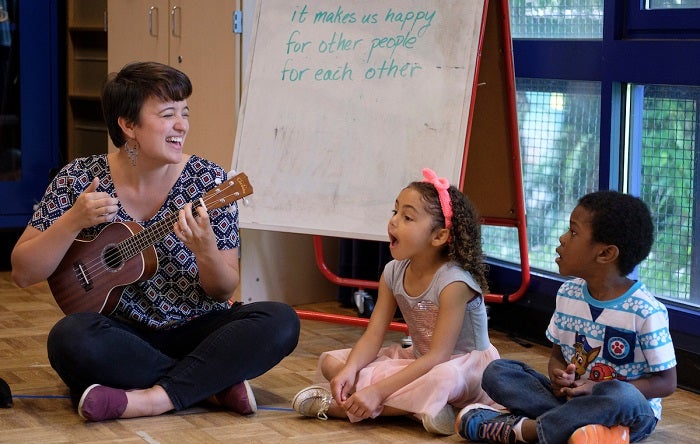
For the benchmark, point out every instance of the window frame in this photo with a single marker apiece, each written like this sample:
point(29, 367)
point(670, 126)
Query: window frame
point(659, 23)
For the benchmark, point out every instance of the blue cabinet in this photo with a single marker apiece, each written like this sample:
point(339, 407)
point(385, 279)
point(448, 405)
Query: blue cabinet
point(29, 118)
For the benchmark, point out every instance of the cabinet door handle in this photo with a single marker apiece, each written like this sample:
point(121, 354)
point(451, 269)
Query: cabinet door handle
point(150, 21)
point(172, 20)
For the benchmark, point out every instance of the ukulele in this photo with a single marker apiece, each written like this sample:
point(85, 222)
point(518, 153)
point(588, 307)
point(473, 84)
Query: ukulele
point(92, 274)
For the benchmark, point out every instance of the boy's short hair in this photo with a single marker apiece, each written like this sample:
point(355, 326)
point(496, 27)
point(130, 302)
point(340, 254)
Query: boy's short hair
point(624, 221)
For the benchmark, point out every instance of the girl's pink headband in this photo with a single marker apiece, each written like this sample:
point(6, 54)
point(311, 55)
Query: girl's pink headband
point(441, 185)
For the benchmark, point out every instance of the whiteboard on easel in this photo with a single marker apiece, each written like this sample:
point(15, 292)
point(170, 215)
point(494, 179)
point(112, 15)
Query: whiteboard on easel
point(346, 102)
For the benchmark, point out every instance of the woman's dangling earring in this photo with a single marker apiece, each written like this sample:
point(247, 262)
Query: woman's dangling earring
point(132, 151)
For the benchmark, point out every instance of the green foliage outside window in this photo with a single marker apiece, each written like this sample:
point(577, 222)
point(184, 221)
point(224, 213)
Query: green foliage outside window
point(668, 163)
point(560, 143)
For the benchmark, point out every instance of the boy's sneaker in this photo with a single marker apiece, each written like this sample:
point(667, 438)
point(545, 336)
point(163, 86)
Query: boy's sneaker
point(480, 422)
point(313, 401)
point(599, 434)
point(441, 424)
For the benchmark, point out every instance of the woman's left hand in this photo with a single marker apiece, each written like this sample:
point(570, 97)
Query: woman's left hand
point(195, 232)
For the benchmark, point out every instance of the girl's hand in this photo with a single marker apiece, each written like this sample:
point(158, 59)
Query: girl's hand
point(341, 385)
point(365, 403)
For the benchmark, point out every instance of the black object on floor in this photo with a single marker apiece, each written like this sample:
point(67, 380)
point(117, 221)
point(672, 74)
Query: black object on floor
point(5, 394)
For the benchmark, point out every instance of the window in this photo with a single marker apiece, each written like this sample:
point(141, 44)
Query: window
point(608, 96)
point(568, 19)
point(559, 129)
point(663, 131)
point(672, 4)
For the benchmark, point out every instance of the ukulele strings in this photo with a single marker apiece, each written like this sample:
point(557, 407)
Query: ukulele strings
point(126, 249)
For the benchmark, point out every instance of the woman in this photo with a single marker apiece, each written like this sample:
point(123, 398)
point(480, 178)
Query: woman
point(175, 339)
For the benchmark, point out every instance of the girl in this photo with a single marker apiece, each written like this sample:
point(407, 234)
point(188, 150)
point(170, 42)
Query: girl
point(437, 279)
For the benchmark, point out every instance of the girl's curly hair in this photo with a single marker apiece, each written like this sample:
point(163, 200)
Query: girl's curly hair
point(464, 246)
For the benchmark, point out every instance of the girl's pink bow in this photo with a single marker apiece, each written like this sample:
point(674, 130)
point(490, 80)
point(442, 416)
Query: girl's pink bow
point(441, 185)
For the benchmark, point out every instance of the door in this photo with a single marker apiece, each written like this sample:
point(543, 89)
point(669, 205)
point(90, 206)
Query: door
point(29, 118)
point(196, 37)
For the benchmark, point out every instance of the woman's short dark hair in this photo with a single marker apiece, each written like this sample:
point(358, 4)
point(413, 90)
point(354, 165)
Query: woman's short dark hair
point(125, 92)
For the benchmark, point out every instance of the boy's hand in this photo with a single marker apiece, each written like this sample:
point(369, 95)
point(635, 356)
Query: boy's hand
point(579, 388)
point(562, 379)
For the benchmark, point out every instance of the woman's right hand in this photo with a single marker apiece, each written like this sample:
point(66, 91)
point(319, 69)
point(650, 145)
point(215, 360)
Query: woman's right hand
point(37, 253)
point(93, 207)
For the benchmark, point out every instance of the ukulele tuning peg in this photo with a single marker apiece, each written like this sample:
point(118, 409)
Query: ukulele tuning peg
point(246, 202)
point(217, 181)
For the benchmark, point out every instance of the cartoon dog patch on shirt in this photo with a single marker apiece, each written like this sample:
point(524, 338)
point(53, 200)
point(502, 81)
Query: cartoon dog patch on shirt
point(585, 355)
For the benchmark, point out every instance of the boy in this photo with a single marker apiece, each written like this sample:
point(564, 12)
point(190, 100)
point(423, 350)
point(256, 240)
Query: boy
point(612, 359)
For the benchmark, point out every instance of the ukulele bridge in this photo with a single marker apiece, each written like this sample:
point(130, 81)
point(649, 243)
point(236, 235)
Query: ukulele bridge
point(83, 276)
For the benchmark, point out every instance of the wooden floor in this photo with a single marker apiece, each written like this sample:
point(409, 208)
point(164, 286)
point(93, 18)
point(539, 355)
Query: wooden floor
point(42, 411)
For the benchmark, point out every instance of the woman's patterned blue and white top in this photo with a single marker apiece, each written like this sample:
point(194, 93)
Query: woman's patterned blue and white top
point(173, 295)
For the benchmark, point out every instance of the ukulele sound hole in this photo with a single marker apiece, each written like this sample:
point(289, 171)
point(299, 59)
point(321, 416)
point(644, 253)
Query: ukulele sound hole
point(113, 258)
